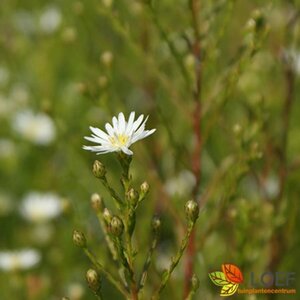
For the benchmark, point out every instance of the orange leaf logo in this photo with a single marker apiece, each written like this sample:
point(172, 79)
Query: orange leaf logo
point(232, 273)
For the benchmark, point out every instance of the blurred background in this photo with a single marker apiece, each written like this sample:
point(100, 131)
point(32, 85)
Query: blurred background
point(67, 65)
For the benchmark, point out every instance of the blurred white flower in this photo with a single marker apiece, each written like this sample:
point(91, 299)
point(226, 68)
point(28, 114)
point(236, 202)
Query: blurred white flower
point(272, 186)
point(181, 185)
point(37, 128)
point(120, 136)
point(75, 291)
point(50, 20)
point(40, 207)
point(19, 260)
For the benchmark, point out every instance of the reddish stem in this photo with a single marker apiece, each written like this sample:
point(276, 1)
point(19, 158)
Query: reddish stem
point(196, 156)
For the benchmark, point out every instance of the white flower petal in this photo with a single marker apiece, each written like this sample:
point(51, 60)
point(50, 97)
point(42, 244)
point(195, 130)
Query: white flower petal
point(127, 151)
point(122, 123)
point(110, 129)
point(116, 125)
point(141, 128)
point(99, 132)
point(95, 148)
point(130, 123)
point(138, 122)
point(94, 139)
point(142, 135)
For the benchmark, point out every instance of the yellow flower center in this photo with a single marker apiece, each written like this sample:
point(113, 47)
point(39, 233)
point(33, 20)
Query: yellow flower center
point(120, 140)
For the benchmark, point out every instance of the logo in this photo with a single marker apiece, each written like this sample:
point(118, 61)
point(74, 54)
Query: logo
point(267, 282)
point(229, 279)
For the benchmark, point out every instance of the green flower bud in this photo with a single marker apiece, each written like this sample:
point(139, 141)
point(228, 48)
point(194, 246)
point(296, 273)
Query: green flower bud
point(155, 223)
point(144, 188)
point(192, 210)
point(133, 196)
point(195, 282)
point(97, 202)
point(116, 226)
point(79, 239)
point(99, 169)
point(65, 298)
point(107, 215)
point(93, 279)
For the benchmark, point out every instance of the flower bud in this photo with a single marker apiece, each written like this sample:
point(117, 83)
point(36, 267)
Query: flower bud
point(155, 223)
point(116, 226)
point(93, 279)
point(259, 19)
point(65, 298)
point(97, 202)
point(107, 215)
point(144, 188)
point(192, 210)
point(79, 239)
point(133, 196)
point(99, 169)
point(195, 282)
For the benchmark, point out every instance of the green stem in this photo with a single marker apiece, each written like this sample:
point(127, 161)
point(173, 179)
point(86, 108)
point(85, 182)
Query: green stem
point(112, 192)
point(101, 268)
point(190, 295)
point(99, 296)
point(147, 263)
point(129, 221)
point(167, 274)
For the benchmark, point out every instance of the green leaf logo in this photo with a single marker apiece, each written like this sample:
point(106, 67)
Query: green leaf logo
point(218, 278)
point(229, 279)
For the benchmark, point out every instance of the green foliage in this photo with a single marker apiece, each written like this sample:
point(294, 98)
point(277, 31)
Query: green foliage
point(220, 81)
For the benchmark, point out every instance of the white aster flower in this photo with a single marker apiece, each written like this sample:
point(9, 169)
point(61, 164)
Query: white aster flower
point(38, 207)
point(19, 260)
point(120, 136)
point(37, 128)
